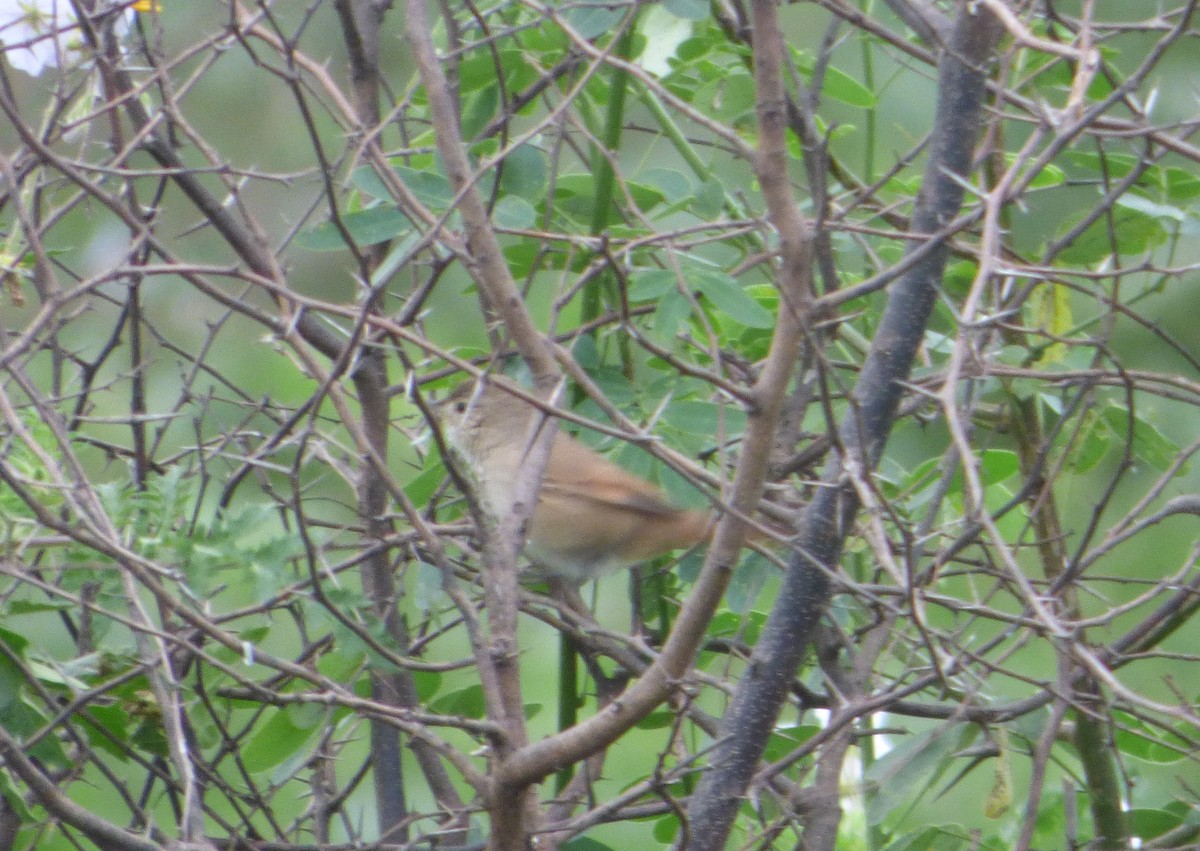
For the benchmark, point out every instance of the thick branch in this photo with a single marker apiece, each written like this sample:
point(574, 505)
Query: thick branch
point(502, 542)
point(806, 588)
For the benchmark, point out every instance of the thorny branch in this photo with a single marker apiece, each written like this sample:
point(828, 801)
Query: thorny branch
point(242, 607)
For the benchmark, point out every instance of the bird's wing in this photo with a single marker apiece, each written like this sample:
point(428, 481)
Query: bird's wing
point(578, 473)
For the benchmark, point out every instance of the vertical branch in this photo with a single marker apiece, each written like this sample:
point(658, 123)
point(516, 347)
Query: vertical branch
point(1092, 725)
point(1097, 755)
point(361, 21)
point(485, 261)
point(806, 589)
point(509, 804)
point(602, 166)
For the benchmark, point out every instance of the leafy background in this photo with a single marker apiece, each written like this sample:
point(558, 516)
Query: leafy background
point(220, 383)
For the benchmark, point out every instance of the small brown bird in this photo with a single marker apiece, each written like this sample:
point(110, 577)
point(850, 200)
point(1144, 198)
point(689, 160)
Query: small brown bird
point(592, 517)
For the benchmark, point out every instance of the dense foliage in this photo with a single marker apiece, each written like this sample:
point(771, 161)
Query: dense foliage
point(910, 282)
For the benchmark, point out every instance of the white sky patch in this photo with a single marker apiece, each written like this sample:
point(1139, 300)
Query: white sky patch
point(664, 33)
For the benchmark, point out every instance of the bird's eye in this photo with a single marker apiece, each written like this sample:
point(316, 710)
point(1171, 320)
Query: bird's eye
point(460, 407)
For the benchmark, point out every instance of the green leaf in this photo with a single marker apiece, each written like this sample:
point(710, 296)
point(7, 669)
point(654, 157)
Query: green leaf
point(689, 10)
point(998, 465)
point(249, 542)
point(671, 184)
point(1136, 738)
point(616, 386)
point(959, 276)
point(666, 830)
point(465, 702)
point(341, 665)
point(1135, 232)
point(943, 837)
point(835, 83)
point(479, 70)
point(1163, 212)
point(754, 343)
point(728, 296)
point(581, 187)
point(31, 607)
point(12, 681)
point(366, 227)
point(479, 109)
point(705, 418)
point(648, 284)
point(422, 486)
point(1147, 823)
point(710, 199)
point(522, 254)
point(1149, 444)
point(1107, 432)
point(1051, 822)
point(729, 96)
point(784, 740)
point(689, 566)
point(1050, 175)
point(591, 21)
point(524, 172)
point(297, 761)
point(22, 719)
point(1182, 185)
point(678, 489)
point(273, 742)
point(912, 767)
point(107, 728)
point(69, 675)
point(691, 49)
point(255, 634)
point(305, 716)
point(1110, 165)
point(747, 583)
point(428, 683)
point(431, 188)
point(365, 180)
point(724, 623)
point(1050, 311)
point(428, 590)
point(585, 843)
point(672, 310)
point(15, 799)
point(1092, 446)
point(658, 720)
point(514, 213)
point(16, 642)
point(841, 86)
